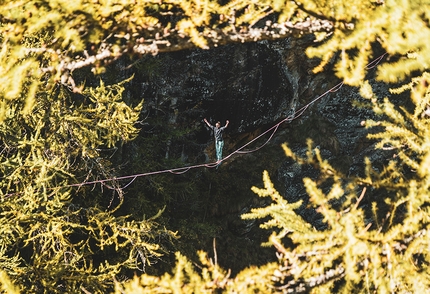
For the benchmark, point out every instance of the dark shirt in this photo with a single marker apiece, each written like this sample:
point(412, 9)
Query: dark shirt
point(218, 132)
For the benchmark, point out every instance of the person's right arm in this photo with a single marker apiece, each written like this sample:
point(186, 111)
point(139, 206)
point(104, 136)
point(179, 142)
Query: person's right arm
point(207, 123)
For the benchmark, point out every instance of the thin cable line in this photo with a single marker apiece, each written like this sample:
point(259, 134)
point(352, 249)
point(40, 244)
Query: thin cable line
point(129, 183)
point(179, 173)
point(258, 148)
point(182, 170)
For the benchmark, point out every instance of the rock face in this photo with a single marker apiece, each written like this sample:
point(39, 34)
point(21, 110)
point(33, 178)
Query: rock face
point(250, 84)
point(254, 86)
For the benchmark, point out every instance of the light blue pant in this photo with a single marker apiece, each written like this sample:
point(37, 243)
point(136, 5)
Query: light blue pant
point(218, 147)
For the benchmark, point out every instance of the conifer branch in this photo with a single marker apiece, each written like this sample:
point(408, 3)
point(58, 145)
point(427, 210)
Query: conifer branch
point(162, 40)
point(304, 286)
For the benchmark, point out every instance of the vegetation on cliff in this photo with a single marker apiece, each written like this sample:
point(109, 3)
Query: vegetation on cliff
point(57, 132)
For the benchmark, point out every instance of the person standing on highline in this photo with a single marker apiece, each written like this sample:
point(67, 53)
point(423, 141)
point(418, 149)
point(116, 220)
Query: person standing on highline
point(219, 142)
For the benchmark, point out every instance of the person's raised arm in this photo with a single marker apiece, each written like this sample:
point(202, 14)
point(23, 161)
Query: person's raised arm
point(207, 122)
point(226, 123)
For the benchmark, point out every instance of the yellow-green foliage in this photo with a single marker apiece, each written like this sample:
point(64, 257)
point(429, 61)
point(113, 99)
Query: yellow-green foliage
point(400, 27)
point(383, 248)
point(43, 42)
point(51, 130)
point(281, 213)
point(51, 240)
point(185, 279)
point(41, 217)
point(386, 257)
point(6, 285)
point(207, 277)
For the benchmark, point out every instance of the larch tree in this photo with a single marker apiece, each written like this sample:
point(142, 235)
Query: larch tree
point(53, 126)
point(360, 251)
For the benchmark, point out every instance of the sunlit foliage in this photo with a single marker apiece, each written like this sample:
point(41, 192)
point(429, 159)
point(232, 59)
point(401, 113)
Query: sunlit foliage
point(54, 239)
point(377, 249)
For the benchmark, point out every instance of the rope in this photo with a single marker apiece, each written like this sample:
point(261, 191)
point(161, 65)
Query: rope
point(182, 170)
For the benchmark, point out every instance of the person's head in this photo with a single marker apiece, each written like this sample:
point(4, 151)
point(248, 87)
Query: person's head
point(218, 124)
